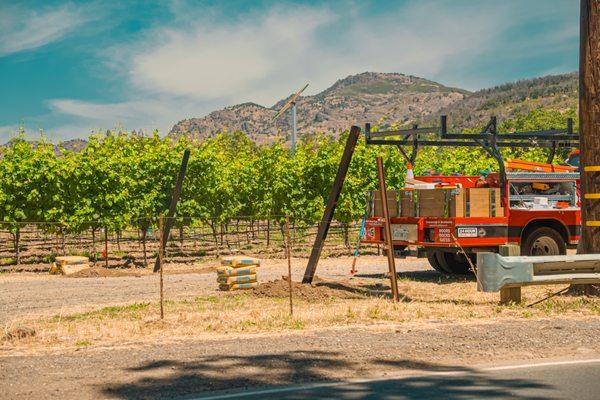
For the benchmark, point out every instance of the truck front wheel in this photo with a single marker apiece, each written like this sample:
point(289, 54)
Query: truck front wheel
point(543, 241)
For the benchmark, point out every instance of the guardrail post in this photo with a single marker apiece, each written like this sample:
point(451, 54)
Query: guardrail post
point(510, 294)
point(509, 250)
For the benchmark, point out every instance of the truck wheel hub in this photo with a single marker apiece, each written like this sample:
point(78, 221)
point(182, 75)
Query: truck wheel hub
point(545, 246)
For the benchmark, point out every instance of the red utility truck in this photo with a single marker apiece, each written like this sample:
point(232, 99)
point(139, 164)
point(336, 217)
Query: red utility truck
point(540, 212)
point(462, 215)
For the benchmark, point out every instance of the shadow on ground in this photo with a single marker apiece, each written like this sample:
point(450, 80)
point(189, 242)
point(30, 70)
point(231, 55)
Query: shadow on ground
point(181, 379)
point(364, 290)
point(424, 276)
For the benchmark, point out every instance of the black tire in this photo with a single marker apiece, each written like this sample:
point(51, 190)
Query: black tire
point(543, 241)
point(432, 257)
point(454, 263)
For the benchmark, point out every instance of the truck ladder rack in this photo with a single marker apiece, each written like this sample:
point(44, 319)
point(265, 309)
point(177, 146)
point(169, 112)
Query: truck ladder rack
point(549, 176)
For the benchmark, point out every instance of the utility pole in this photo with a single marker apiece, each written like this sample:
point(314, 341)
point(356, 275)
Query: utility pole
point(589, 131)
point(589, 124)
point(291, 103)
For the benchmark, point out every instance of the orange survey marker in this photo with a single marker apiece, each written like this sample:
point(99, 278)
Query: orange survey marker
point(523, 165)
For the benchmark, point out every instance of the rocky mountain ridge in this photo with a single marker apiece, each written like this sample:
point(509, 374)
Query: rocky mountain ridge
point(357, 99)
point(387, 98)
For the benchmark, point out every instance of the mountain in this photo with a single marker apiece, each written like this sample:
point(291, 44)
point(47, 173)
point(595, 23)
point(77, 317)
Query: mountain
point(75, 145)
point(388, 98)
point(366, 97)
point(558, 92)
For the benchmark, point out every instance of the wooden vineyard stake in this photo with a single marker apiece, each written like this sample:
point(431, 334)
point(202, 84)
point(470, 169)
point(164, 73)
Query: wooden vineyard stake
point(388, 229)
point(289, 259)
point(174, 199)
point(161, 263)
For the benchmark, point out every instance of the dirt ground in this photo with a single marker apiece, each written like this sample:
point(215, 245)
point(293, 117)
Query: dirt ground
point(39, 294)
point(170, 369)
point(99, 335)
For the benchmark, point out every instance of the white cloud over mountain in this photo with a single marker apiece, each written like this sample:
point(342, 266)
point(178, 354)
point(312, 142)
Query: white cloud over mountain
point(201, 61)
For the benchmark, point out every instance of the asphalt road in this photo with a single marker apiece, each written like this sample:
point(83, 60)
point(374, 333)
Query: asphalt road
point(574, 380)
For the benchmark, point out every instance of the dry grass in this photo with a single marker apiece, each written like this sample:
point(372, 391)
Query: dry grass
point(232, 314)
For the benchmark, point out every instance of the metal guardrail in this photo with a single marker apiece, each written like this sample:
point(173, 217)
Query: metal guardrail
point(496, 273)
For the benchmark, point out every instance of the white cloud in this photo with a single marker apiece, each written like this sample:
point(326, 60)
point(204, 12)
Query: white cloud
point(202, 61)
point(99, 112)
point(223, 61)
point(158, 113)
point(263, 57)
point(22, 29)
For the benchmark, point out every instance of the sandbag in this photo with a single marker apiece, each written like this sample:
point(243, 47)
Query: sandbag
point(67, 269)
point(237, 286)
point(71, 260)
point(237, 279)
point(230, 271)
point(239, 261)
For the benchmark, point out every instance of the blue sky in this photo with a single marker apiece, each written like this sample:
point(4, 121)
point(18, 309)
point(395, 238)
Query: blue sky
point(69, 68)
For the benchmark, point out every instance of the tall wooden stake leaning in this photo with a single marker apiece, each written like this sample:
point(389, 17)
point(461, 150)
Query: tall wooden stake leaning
point(338, 183)
point(160, 262)
point(388, 229)
point(289, 258)
point(174, 199)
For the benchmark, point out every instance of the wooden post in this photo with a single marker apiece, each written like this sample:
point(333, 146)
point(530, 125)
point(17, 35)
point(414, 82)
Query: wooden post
point(269, 231)
point(174, 200)
point(511, 294)
point(160, 263)
point(336, 189)
point(18, 245)
point(589, 126)
point(589, 121)
point(105, 247)
point(388, 229)
point(144, 234)
point(94, 245)
point(62, 240)
point(289, 259)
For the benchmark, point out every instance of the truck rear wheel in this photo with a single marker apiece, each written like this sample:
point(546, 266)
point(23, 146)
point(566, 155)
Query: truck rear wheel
point(455, 263)
point(543, 241)
point(432, 257)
